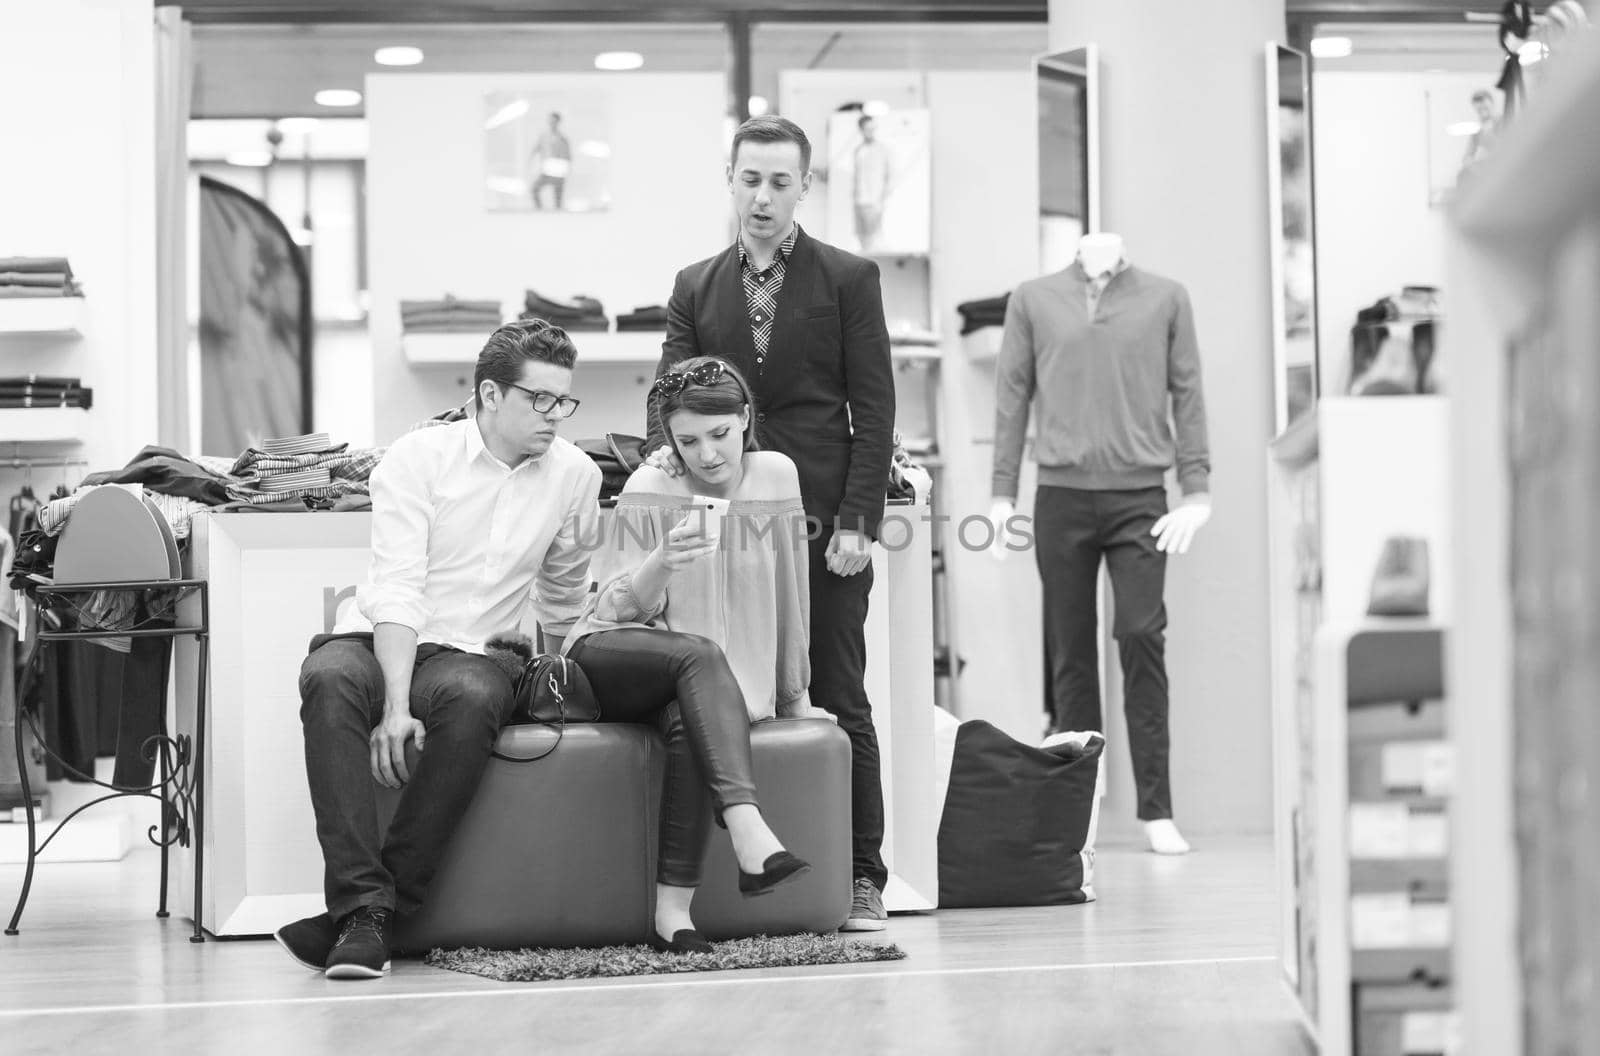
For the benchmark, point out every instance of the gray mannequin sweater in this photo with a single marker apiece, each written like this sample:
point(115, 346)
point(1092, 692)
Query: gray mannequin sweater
point(1100, 385)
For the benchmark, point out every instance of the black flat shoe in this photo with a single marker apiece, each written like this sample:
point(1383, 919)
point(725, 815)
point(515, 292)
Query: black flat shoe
point(684, 940)
point(779, 868)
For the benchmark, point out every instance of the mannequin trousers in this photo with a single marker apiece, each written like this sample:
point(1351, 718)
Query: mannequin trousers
point(683, 683)
point(462, 700)
point(1075, 530)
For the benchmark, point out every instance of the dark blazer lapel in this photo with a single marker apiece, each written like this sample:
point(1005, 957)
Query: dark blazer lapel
point(731, 314)
point(799, 279)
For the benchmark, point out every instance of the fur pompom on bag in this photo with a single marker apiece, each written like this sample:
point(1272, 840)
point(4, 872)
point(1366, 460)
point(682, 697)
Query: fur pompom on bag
point(550, 689)
point(510, 652)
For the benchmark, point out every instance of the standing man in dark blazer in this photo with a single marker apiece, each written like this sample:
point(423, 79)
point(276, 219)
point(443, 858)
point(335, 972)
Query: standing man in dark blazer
point(804, 322)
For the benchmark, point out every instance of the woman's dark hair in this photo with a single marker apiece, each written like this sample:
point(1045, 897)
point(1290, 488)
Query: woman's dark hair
point(730, 394)
point(513, 345)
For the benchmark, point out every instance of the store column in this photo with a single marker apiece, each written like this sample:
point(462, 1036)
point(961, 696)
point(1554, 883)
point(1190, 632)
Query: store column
point(1183, 180)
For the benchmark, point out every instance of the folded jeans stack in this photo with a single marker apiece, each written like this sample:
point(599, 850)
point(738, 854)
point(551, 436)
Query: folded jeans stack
point(648, 317)
point(449, 315)
point(37, 277)
point(302, 467)
point(989, 311)
point(33, 390)
point(579, 313)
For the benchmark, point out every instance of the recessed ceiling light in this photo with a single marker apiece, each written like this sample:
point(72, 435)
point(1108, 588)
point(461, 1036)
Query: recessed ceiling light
point(297, 126)
point(1331, 47)
point(253, 158)
point(1464, 128)
point(1531, 52)
point(338, 97)
point(759, 105)
point(398, 55)
point(618, 60)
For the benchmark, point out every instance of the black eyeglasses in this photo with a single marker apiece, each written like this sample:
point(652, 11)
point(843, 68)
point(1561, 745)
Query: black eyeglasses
point(545, 402)
point(674, 382)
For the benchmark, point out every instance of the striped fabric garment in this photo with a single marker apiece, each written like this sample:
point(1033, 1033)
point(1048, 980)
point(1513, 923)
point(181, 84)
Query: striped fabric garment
point(337, 489)
point(177, 510)
point(297, 445)
point(761, 292)
point(294, 480)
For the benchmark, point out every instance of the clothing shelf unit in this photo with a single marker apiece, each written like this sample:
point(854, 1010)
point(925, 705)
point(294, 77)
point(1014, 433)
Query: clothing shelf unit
point(41, 316)
point(594, 346)
point(1362, 773)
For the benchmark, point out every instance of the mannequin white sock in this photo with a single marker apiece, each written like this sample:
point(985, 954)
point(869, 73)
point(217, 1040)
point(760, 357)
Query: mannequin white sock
point(1164, 837)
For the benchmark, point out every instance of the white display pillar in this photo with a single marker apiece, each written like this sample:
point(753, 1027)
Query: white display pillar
point(1183, 180)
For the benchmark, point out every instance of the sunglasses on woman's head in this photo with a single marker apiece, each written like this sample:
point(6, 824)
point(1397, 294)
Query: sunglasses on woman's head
point(674, 382)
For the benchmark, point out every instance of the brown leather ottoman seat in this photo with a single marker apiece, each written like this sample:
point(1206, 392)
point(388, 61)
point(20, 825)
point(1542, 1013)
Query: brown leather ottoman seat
point(560, 850)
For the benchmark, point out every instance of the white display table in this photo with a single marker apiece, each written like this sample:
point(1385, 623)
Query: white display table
point(278, 579)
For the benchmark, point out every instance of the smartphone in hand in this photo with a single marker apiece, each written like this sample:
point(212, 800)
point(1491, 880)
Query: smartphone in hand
point(708, 513)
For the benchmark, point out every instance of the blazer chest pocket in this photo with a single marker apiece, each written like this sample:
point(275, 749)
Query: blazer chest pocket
point(818, 313)
point(822, 339)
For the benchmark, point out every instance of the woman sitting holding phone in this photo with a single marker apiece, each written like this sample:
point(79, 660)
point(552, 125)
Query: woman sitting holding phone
point(701, 616)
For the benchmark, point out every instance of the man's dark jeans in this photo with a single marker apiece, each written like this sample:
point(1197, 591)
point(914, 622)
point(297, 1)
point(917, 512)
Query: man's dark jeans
point(1074, 529)
point(462, 700)
point(838, 685)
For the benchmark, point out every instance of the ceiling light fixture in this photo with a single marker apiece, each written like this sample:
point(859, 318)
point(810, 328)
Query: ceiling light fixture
point(618, 60)
point(338, 97)
point(759, 105)
point(255, 159)
point(1331, 47)
point(398, 55)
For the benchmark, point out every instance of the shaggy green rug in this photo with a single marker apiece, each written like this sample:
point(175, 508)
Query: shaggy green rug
point(531, 966)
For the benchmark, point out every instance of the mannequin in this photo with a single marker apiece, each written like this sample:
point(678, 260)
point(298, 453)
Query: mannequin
point(1096, 501)
point(1100, 253)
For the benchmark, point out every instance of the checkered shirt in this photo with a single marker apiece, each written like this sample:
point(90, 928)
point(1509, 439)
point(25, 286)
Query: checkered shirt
point(761, 290)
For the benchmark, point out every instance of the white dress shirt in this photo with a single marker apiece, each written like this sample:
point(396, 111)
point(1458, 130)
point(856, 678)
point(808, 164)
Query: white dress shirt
point(463, 543)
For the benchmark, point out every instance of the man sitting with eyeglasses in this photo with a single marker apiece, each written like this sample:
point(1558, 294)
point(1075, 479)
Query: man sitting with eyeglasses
point(471, 522)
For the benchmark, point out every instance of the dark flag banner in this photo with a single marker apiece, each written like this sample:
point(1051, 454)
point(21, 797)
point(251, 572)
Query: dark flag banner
point(255, 324)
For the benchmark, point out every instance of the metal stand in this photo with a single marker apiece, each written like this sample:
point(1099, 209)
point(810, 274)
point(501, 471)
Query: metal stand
point(181, 788)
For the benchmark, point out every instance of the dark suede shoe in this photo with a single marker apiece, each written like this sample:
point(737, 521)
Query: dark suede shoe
point(362, 951)
point(684, 940)
point(309, 940)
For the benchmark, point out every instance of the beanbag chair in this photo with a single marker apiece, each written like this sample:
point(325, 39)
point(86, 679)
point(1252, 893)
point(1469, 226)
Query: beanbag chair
point(1018, 821)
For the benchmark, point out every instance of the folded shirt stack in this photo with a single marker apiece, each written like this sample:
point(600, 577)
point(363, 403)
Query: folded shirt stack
point(37, 277)
point(301, 467)
point(650, 317)
point(33, 390)
point(579, 313)
point(989, 311)
point(449, 315)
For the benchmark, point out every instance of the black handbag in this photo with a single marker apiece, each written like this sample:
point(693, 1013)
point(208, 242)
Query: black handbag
point(553, 690)
point(550, 690)
point(617, 455)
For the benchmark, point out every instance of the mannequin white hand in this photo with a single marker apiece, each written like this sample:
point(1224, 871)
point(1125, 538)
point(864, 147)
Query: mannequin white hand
point(1176, 530)
point(1000, 511)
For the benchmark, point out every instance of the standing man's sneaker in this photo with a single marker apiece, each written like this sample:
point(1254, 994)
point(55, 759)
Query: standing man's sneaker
point(866, 909)
point(362, 951)
point(309, 940)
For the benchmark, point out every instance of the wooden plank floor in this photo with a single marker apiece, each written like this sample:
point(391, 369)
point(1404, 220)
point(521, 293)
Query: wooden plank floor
point(1176, 957)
